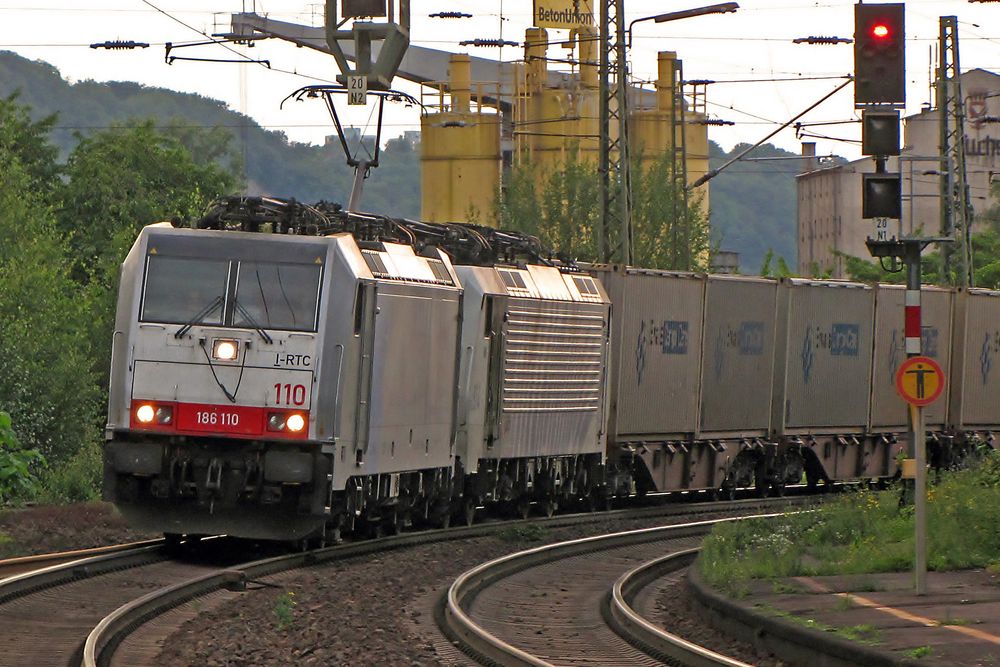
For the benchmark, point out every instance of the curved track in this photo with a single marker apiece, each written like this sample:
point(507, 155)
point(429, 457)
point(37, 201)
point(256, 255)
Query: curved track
point(629, 601)
point(549, 605)
point(13, 566)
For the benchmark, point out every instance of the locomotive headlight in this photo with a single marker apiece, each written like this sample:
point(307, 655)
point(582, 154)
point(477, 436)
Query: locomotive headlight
point(164, 414)
point(145, 413)
point(225, 349)
point(295, 423)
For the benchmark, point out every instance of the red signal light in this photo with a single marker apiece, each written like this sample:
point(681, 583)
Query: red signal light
point(880, 31)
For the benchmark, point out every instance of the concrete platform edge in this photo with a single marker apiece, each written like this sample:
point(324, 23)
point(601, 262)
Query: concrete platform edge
point(789, 641)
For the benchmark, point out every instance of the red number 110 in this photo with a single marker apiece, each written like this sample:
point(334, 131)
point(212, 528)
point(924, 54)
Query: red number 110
point(289, 394)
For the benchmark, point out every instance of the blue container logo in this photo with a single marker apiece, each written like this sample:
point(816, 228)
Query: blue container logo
point(845, 339)
point(751, 338)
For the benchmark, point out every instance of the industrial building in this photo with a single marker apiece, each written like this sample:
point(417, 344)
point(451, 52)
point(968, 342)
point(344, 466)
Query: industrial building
point(829, 197)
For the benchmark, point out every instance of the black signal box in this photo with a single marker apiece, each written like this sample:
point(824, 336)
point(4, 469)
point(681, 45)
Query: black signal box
point(879, 54)
point(881, 196)
point(879, 132)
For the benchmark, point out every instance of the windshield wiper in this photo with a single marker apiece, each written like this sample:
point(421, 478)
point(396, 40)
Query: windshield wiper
point(202, 314)
point(253, 323)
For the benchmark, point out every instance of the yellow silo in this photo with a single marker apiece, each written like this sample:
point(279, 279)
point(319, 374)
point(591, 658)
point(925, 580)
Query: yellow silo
point(460, 153)
point(553, 123)
point(654, 133)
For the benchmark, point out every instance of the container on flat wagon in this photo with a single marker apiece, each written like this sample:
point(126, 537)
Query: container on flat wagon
point(656, 352)
point(738, 357)
point(822, 379)
point(975, 389)
point(888, 409)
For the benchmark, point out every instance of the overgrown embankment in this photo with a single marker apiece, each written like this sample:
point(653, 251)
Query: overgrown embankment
point(864, 531)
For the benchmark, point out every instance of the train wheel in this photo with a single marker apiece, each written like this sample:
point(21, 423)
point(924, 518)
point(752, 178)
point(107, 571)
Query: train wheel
point(725, 492)
point(173, 542)
point(394, 522)
point(549, 506)
point(522, 508)
point(469, 511)
point(442, 515)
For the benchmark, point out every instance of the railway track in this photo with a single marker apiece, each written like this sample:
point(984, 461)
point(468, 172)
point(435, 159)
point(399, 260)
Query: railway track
point(627, 612)
point(577, 602)
point(47, 612)
point(13, 566)
point(81, 612)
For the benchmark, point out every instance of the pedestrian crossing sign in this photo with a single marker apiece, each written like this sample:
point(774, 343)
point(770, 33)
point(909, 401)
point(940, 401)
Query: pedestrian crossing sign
point(920, 381)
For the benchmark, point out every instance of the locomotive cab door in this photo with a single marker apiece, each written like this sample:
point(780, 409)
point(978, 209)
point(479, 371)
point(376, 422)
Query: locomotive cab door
point(495, 319)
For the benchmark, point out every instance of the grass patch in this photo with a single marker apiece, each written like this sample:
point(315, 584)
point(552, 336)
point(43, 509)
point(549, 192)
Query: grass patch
point(284, 607)
point(954, 620)
point(863, 531)
point(845, 603)
point(919, 652)
point(527, 533)
point(781, 587)
point(862, 634)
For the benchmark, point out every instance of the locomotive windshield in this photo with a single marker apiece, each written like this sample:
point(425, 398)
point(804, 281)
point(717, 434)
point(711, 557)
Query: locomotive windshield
point(277, 296)
point(177, 289)
point(272, 295)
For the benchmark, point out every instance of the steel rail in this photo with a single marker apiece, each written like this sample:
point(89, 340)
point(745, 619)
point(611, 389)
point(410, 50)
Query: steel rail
point(467, 586)
point(21, 564)
point(82, 568)
point(638, 631)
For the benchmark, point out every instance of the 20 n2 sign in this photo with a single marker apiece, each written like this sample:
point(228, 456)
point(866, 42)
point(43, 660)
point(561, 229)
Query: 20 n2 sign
point(920, 381)
point(563, 13)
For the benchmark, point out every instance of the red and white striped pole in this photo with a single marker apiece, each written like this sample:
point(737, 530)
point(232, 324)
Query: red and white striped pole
point(911, 326)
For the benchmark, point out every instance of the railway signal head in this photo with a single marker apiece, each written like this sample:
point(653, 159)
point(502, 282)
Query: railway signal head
point(879, 54)
point(880, 132)
point(881, 196)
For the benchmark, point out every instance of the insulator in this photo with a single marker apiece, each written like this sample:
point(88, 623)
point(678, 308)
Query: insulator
point(487, 42)
point(119, 44)
point(821, 40)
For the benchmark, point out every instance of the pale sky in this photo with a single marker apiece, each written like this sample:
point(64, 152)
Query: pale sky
point(744, 52)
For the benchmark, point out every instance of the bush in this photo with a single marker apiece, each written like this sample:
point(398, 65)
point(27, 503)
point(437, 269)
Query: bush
point(77, 480)
point(17, 480)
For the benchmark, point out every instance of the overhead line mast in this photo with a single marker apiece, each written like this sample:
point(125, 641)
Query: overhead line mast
point(616, 185)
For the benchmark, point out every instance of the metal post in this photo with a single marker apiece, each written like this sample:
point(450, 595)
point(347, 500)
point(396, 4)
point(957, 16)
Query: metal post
point(920, 516)
point(912, 333)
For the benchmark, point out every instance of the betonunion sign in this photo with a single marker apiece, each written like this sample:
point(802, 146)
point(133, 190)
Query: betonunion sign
point(563, 13)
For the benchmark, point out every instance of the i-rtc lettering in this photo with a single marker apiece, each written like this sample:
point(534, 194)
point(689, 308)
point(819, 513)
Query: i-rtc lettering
point(285, 359)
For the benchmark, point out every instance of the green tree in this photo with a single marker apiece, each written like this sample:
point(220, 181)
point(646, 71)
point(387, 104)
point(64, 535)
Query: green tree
point(47, 378)
point(562, 208)
point(28, 141)
point(122, 179)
